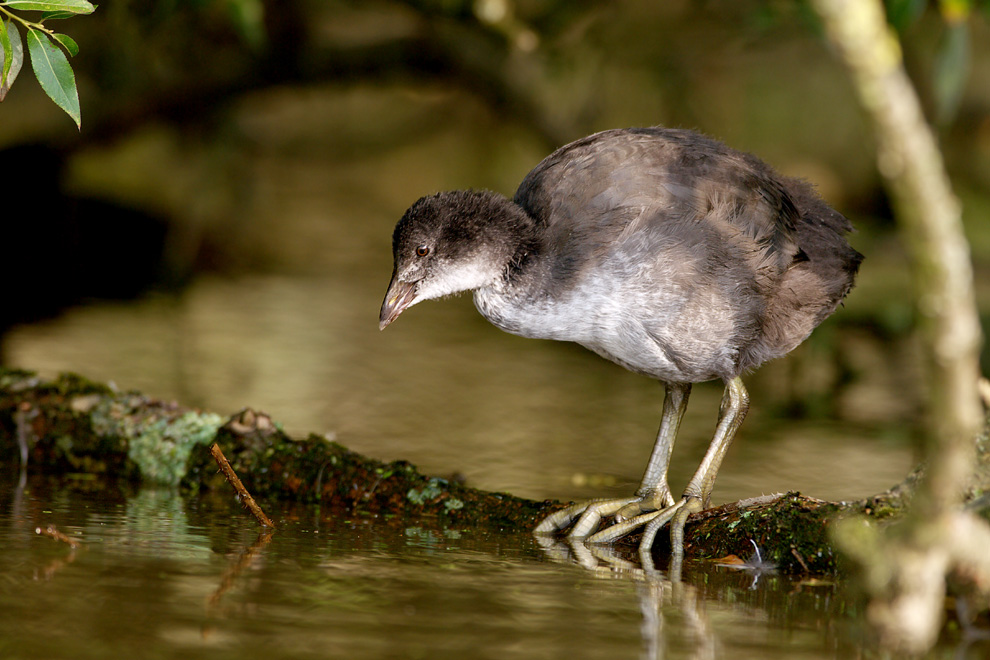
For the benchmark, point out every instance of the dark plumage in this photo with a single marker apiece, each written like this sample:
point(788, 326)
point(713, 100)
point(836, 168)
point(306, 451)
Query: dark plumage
point(659, 249)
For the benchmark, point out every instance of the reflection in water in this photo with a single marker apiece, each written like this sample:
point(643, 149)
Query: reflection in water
point(55, 565)
point(685, 598)
point(191, 578)
point(657, 597)
point(237, 566)
point(661, 596)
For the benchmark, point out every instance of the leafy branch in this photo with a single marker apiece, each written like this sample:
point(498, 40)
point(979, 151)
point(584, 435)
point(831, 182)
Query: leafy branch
point(47, 49)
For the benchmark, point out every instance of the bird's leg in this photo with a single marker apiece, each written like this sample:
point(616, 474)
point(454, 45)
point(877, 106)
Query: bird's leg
point(732, 412)
point(735, 403)
point(653, 507)
point(697, 495)
point(653, 494)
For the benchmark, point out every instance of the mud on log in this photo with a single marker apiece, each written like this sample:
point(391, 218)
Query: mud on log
point(72, 425)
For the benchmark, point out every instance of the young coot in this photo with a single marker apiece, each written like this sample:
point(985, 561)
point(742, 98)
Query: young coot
point(661, 250)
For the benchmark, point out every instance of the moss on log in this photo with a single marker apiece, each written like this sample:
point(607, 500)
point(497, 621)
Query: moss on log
point(73, 425)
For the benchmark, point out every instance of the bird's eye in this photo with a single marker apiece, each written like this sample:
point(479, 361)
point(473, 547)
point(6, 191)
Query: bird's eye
point(422, 250)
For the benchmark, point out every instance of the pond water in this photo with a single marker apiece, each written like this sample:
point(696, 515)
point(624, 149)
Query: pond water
point(157, 575)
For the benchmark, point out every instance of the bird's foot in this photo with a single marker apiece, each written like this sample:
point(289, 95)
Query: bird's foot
point(587, 514)
point(630, 514)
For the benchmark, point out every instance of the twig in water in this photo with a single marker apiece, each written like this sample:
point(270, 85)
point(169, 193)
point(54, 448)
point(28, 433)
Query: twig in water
point(53, 533)
point(242, 492)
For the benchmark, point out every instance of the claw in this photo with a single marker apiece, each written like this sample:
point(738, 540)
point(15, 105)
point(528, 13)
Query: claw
point(585, 513)
point(583, 536)
point(589, 516)
point(653, 501)
point(688, 505)
point(560, 519)
point(620, 529)
point(593, 514)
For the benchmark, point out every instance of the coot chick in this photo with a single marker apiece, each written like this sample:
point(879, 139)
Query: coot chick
point(661, 250)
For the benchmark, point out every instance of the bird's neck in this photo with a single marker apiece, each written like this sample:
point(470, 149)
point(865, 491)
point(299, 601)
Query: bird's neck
point(511, 238)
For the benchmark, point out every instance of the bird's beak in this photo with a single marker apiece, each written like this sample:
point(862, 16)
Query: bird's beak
point(399, 296)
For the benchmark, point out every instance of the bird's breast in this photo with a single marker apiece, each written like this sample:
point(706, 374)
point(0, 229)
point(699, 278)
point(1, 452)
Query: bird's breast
point(627, 328)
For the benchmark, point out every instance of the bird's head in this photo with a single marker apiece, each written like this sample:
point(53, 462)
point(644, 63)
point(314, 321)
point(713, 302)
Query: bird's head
point(448, 243)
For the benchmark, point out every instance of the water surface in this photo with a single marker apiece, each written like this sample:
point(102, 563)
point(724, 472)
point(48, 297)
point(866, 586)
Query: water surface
point(157, 575)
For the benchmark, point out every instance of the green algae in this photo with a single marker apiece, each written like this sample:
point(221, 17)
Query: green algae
point(158, 444)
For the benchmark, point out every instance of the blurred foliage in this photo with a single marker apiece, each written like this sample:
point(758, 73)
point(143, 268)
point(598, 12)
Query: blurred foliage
point(553, 69)
point(952, 54)
point(169, 57)
point(754, 73)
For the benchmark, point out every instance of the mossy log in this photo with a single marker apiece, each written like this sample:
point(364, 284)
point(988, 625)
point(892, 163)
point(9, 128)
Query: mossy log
point(72, 425)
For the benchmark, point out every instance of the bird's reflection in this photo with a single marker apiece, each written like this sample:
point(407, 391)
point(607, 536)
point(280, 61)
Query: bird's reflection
point(661, 594)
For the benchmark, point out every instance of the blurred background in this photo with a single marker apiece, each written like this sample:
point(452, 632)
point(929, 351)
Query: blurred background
point(219, 231)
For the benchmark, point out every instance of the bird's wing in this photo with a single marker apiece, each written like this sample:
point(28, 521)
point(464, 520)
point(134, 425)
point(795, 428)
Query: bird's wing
point(616, 185)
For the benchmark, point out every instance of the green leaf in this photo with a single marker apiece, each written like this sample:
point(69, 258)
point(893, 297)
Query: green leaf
point(71, 6)
point(52, 69)
point(56, 15)
point(68, 43)
point(11, 54)
point(5, 52)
